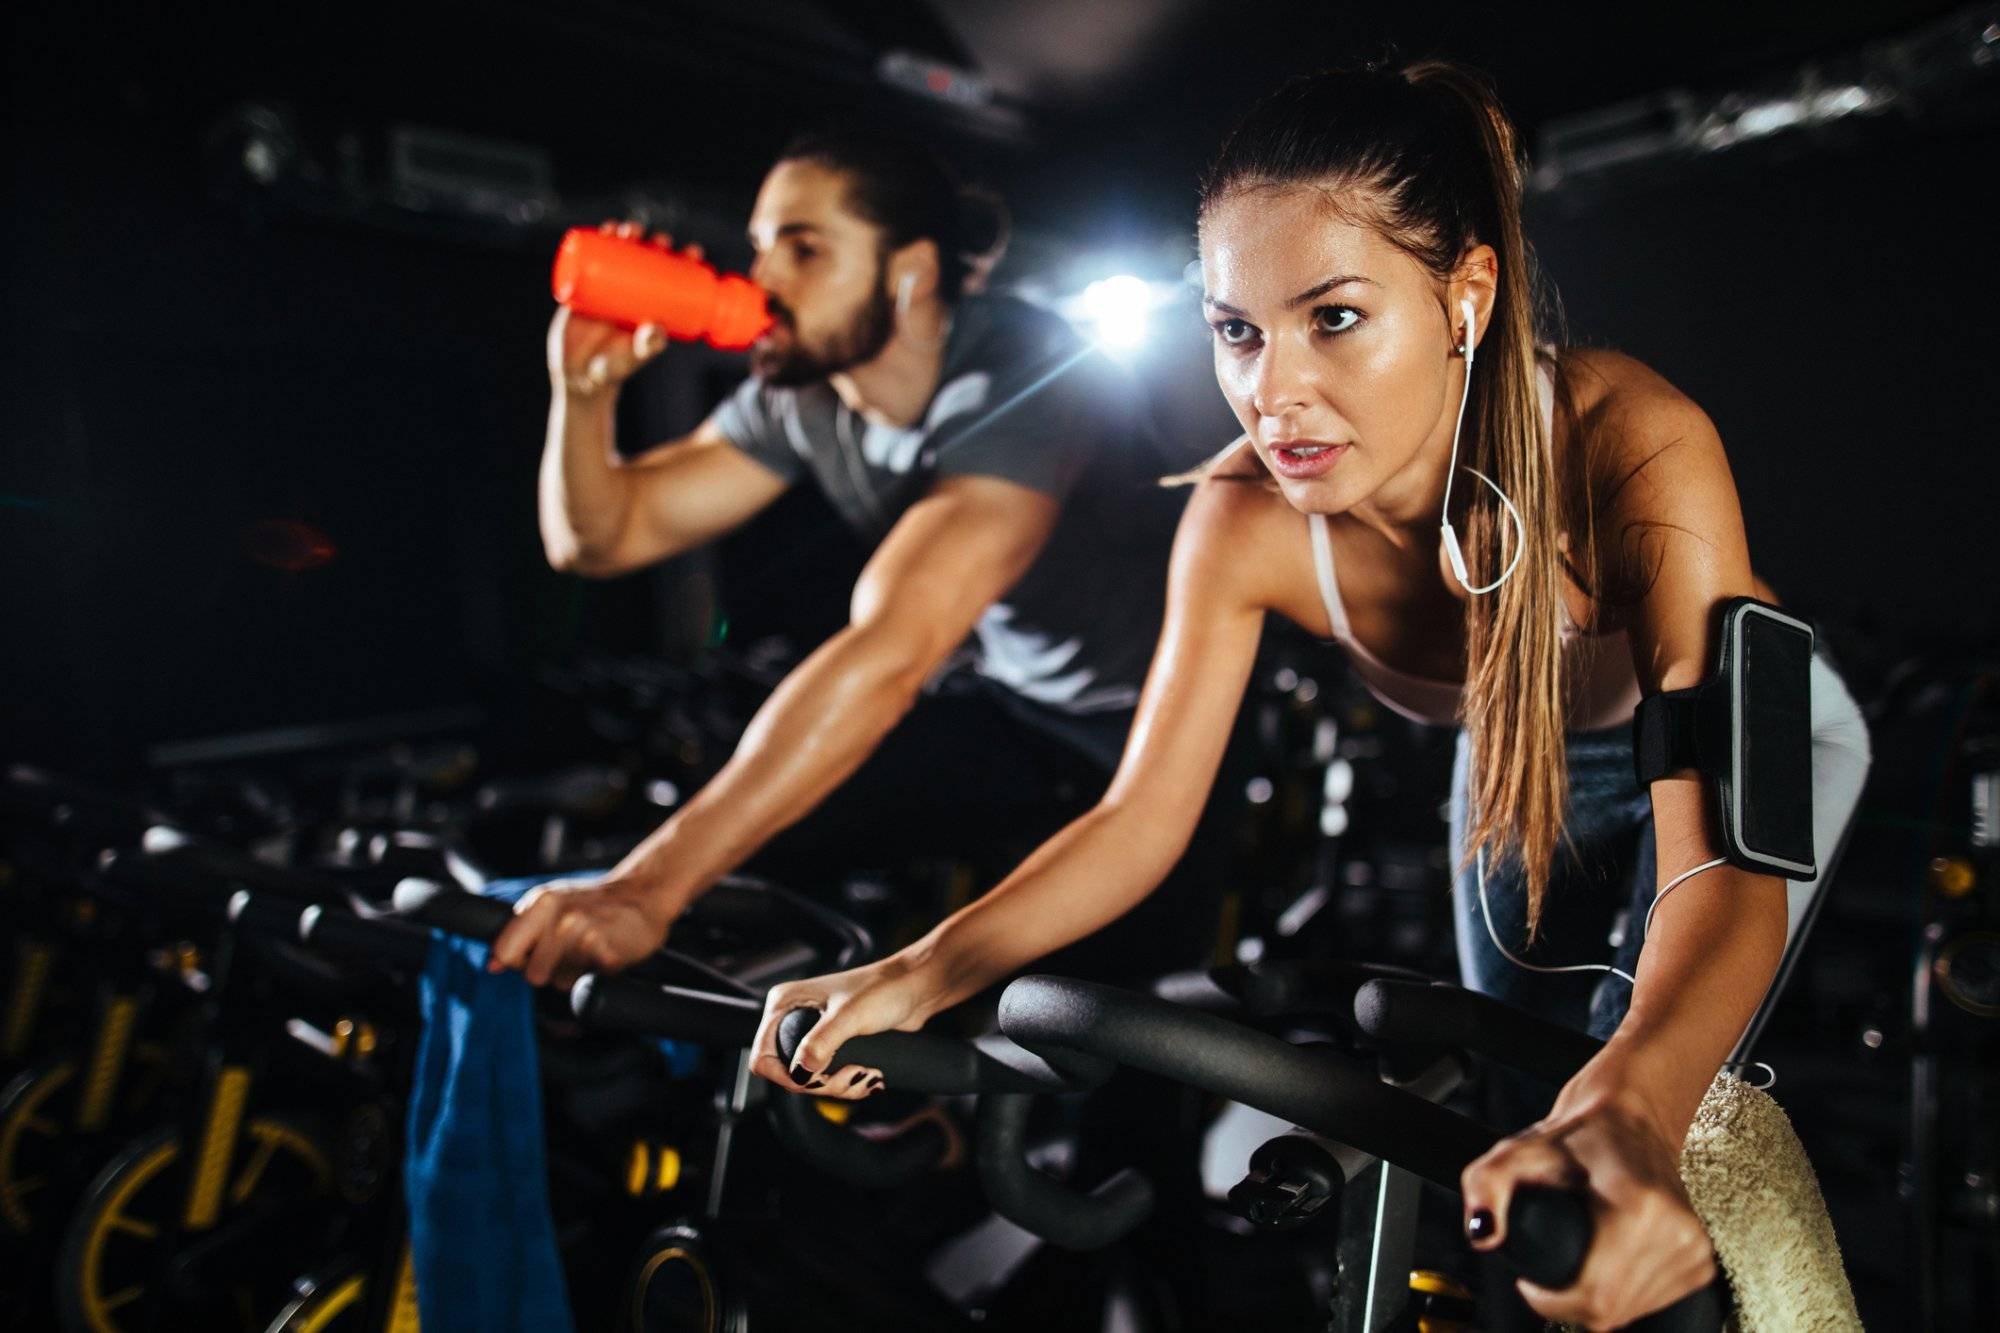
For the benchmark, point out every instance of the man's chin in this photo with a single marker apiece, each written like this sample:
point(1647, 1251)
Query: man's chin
point(783, 367)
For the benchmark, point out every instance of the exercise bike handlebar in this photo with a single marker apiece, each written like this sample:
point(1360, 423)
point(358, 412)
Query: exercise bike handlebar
point(746, 903)
point(738, 903)
point(1312, 1088)
point(380, 940)
point(1549, 1231)
point(1290, 987)
point(452, 909)
point(27, 788)
point(932, 1063)
point(915, 1061)
point(1432, 1013)
point(166, 845)
point(1006, 1078)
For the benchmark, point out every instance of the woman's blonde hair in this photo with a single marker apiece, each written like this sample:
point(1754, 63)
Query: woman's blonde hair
point(1426, 155)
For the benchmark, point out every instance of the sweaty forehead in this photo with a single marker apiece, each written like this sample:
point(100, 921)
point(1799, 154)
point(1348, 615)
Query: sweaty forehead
point(798, 193)
point(1260, 247)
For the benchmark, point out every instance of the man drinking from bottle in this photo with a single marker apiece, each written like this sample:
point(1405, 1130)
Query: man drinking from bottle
point(997, 465)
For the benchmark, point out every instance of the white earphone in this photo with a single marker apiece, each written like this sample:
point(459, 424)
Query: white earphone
point(1451, 548)
point(904, 285)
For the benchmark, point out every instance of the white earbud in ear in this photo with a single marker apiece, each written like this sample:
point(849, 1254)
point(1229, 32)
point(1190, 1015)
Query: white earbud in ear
point(1452, 552)
point(903, 293)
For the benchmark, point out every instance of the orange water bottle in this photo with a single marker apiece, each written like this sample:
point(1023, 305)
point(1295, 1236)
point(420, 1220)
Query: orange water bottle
point(633, 282)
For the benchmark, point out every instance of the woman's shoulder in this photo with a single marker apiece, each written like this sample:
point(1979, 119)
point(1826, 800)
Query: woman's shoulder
point(1609, 386)
point(1628, 415)
point(1234, 487)
point(1238, 531)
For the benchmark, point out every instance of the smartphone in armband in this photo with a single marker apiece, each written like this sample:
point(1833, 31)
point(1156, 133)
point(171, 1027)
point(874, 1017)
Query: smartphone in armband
point(1748, 730)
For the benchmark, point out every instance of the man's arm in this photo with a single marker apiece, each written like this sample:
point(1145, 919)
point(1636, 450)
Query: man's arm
point(602, 516)
point(949, 557)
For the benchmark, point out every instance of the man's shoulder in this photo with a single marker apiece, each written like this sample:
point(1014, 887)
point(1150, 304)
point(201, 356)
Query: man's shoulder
point(779, 404)
point(782, 395)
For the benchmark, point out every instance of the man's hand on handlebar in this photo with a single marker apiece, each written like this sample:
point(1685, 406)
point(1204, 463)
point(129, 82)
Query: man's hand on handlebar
point(565, 928)
point(888, 995)
point(589, 358)
point(1650, 1248)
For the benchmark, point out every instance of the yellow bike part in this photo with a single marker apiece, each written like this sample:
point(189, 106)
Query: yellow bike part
point(130, 1206)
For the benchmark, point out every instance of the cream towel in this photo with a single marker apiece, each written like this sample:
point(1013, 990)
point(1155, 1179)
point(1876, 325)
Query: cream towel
point(1753, 1188)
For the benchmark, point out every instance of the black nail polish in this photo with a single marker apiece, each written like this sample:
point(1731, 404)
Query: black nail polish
point(801, 1075)
point(858, 1076)
point(1479, 1226)
point(817, 1083)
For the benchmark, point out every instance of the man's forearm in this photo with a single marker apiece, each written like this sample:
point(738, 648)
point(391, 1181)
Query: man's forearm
point(814, 731)
point(582, 495)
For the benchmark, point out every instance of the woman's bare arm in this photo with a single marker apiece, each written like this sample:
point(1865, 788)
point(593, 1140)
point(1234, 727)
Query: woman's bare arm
point(1712, 946)
point(1105, 862)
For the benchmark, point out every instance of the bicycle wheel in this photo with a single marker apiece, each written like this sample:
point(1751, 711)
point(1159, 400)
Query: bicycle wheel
point(126, 1260)
point(44, 1161)
point(338, 1303)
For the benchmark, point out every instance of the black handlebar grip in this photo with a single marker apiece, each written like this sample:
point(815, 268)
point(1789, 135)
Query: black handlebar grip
point(1548, 1235)
point(136, 870)
point(626, 1004)
point(452, 909)
point(792, 1030)
point(928, 1062)
point(1549, 1232)
point(333, 931)
point(1427, 1014)
point(1058, 1214)
point(259, 914)
point(869, 1164)
point(164, 842)
point(909, 1061)
point(1704, 1311)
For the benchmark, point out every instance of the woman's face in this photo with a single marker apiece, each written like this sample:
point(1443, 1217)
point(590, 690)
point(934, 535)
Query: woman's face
point(1333, 349)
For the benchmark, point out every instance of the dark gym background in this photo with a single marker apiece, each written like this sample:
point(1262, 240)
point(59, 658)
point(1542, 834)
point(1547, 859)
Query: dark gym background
point(273, 410)
point(193, 352)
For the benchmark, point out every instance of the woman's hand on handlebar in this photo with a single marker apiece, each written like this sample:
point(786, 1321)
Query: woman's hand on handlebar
point(889, 995)
point(1650, 1249)
point(565, 928)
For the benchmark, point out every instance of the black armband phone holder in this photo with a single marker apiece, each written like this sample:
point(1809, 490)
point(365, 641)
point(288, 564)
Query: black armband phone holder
point(1748, 730)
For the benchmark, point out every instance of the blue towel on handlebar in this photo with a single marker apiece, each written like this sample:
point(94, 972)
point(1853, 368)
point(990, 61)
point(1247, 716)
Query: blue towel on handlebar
point(476, 1171)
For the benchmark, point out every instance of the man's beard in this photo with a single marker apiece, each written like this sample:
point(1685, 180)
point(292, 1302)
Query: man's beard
point(794, 364)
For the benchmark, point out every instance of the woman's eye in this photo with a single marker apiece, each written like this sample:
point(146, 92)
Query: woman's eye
point(1335, 318)
point(1235, 332)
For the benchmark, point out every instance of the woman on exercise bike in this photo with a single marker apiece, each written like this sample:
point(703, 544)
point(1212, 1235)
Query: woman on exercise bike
point(1527, 538)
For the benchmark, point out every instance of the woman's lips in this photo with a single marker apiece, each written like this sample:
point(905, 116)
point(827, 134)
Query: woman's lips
point(1306, 458)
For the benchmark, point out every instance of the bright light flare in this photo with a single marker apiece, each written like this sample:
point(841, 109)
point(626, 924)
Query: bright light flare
point(1120, 308)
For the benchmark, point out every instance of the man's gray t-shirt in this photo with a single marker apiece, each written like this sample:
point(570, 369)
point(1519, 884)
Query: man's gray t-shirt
point(1023, 398)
